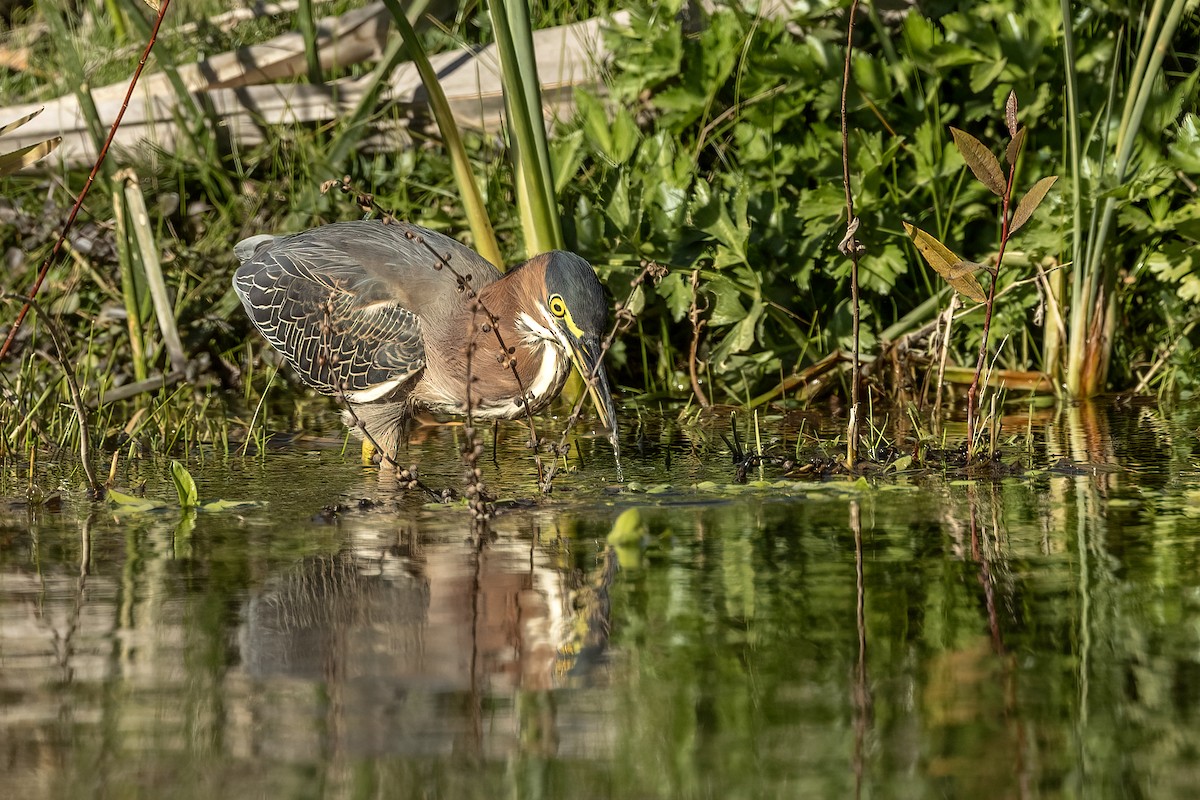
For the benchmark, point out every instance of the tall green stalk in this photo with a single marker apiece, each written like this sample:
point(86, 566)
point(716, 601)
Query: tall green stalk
point(1094, 275)
point(536, 202)
point(472, 200)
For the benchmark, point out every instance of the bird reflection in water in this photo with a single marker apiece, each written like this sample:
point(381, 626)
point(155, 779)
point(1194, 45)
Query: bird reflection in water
point(413, 647)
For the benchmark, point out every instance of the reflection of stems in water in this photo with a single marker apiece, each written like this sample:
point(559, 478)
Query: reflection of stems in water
point(985, 573)
point(862, 694)
point(476, 696)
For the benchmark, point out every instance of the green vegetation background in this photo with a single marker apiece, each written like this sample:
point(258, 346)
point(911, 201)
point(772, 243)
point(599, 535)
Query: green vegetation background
point(717, 151)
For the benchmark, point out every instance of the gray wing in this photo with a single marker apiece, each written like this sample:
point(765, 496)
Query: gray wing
point(343, 303)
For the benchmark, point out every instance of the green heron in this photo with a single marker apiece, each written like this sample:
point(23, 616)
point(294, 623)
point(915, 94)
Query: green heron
point(390, 318)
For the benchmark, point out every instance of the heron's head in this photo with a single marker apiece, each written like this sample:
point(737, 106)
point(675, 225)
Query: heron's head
point(573, 306)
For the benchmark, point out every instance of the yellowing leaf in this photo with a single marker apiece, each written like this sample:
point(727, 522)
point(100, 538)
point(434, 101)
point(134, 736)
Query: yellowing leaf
point(12, 126)
point(19, 159)
point(982, 161)
point(1029, 203)
point(946, 263)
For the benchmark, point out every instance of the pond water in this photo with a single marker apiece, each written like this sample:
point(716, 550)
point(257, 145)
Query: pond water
point(907, 635)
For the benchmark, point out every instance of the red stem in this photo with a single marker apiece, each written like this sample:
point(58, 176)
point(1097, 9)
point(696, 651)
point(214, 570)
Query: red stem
point(62, 236)
point(973, 393)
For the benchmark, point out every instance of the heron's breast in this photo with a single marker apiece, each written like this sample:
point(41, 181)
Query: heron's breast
point(496, 394)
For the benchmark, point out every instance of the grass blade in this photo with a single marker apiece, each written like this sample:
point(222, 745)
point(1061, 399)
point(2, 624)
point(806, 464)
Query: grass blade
point(526, 126)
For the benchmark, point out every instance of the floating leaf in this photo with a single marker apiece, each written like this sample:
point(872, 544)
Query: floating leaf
point(185, 486)
point(226, 505)
point(1010, 113)
point(946, 263)
point(1014, 147)
point(127, 503)
point(983, 162)
point(1029, 203)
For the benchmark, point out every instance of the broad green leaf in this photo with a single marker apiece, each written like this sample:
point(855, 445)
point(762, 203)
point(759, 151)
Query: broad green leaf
point(946, 263)
point(677, 293)
point(625, 135)
point(595, 122)
point(985, 73)
point(19, 159)
point(618, 205)
point(185, 486)
point(568, 155)
point(1029, 203)
point(983, 162)
point(128, 503)
point(741, 336)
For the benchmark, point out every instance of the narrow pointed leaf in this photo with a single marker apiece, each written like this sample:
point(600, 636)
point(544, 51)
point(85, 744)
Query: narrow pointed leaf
point(1010, 113)
point(1029, 203)
point(1014, 147)
point(946, 263)
point(12, 126)
point(19, 159)
point(982, 161)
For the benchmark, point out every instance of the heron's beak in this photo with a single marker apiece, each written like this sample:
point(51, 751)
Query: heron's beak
point(585, 353)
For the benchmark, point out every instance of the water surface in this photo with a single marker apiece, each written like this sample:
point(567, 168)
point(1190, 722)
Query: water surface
point(910, 635)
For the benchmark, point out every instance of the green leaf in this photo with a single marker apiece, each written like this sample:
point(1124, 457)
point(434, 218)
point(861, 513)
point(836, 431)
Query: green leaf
point(618, 205)
point(126, 503)
point(982, 161)
point(595, 122)
point(226, 505)
point(185, 486)
point(956, 271)
point(677, 294)
point(1029, 203)
point(567, 157)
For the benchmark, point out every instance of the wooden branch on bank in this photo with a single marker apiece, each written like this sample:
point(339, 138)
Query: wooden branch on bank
point(238, 87)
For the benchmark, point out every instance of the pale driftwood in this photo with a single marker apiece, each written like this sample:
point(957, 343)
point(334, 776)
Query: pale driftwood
point(236, 86)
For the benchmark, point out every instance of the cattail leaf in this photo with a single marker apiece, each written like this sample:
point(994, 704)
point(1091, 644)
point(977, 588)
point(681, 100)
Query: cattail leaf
point(954, 270)
point(1014, 147)
point(1010, 113)
point(19, 159)
point(983, 162)
point(1029, 203)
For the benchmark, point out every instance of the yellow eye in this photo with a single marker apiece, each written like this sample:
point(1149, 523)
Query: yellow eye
point(557, 307)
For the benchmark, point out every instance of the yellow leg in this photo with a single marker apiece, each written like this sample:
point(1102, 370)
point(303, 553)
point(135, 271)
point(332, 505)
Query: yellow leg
point(368, 452)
